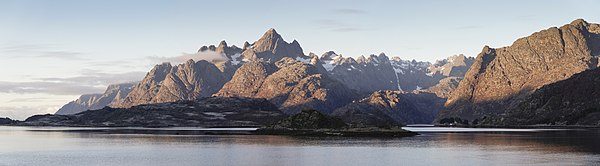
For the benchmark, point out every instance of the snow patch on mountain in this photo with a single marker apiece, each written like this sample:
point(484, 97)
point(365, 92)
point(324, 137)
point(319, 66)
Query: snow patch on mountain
point(234, 58)
point(398, 81)
point(307, 61)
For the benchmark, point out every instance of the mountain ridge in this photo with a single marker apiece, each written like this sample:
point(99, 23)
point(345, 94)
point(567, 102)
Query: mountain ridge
point(274, 69)
point(114, 93)
point(501, 78)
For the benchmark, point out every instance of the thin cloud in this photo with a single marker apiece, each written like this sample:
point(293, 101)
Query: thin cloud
point(205, 55)
point(64, 55)
point(41, 87)
point(91, 81)
point(23, 47)
point(92, 77)
point(349, 11)
point(40, 51)
point(123, 64)
point(33, 100)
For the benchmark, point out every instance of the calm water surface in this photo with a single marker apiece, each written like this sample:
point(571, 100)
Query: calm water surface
point(435, 146)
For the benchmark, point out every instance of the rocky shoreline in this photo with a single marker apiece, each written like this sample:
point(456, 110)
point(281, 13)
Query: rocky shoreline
point(310, 123)
point(525, 126)
point(357, 132)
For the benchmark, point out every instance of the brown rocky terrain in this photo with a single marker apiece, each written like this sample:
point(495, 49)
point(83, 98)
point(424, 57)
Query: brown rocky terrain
point(453, 66)
point(273, 69)
point(113, 94)
point(271, 47)
point(290, 84)
point(191, 80)
point(502, 78)
point(400, 107)
point(572, 101)
point(166, 83)
point(445, 87)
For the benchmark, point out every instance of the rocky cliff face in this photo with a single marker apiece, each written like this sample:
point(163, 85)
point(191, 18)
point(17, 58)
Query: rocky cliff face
point(191, 80)
point(278, 71)
point(365, 75)
point(501, 78)
point(569, 102)
point(378, 72)
point(290, 84)
point(401, 107)
point(453, 66)
point(271, 47)
point(166, 83)
point(113, 94)
point(445, 87)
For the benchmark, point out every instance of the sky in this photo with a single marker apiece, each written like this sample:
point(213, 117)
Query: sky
point(53, 51)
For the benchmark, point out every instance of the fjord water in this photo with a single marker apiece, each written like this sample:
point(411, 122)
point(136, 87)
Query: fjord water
point(435, 146)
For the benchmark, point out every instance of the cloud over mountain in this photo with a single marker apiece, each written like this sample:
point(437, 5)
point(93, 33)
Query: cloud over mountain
point(203, 55)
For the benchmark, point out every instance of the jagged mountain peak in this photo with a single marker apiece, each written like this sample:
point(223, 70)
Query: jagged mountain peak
point(458, 59)
point(329, 55)
point(272, 47)
point(269, 39)
point(381, 58)
point(396, 58)
point(455, 65)
point(114, 93)
point(246, 45)
point(501, 77)
point(579, 22)
point(295, 42)
point(222, 43)
point(361, 59)
point(271, 31)
point(121, 86)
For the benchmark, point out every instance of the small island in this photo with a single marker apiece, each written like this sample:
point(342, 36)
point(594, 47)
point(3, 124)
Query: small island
point(313, 123)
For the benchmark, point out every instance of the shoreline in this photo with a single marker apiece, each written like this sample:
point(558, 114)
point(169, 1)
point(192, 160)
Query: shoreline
point(253, 130)
point(419, 125)
point(524, 126)
point(221, 130)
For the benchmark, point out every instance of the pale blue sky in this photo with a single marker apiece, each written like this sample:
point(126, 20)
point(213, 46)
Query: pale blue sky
point(53, 50)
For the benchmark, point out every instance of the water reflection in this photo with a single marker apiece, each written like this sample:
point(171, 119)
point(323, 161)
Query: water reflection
point(18, 146)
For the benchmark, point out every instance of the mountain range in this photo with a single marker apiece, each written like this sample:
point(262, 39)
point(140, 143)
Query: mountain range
point(113, 94)
point(505, 78)
point(274, 69)
point(545, 78)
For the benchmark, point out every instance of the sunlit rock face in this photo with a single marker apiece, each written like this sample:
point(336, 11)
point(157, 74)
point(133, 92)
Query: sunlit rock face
point(113, 94)
point(166, 83)
point(501, 78)
point(390, 107)
point(278, 71)
point(290, 84)
point(566, 102)
point(195, 79)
